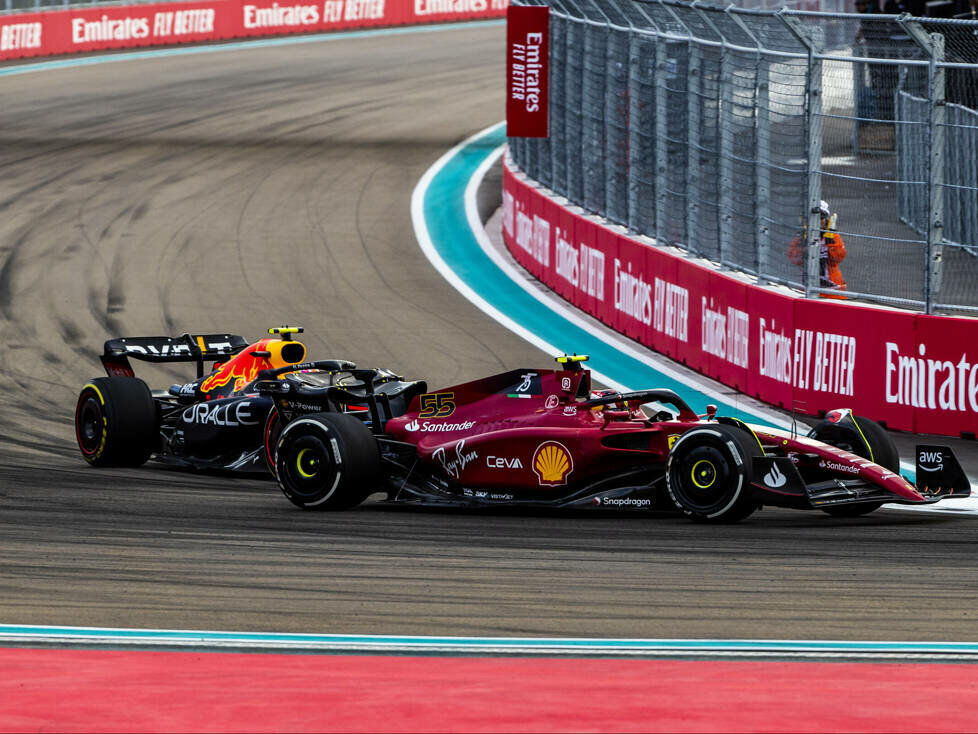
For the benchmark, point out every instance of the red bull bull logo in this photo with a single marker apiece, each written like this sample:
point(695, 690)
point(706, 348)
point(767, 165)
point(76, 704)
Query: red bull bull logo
point(238, 371)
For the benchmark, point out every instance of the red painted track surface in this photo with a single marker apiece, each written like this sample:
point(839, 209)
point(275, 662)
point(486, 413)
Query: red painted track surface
point(124, 691)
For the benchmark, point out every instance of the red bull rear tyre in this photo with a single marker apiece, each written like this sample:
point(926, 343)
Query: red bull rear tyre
point(116, 422)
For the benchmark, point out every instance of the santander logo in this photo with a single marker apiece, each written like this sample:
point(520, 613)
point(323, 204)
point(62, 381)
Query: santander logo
point(775, 478)
point(430, 427)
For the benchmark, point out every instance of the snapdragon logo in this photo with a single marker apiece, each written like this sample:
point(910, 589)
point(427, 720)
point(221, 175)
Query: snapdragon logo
point(429, 427)
point(622, 501)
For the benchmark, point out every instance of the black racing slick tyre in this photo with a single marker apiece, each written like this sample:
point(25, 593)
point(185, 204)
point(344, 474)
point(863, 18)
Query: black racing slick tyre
point(708, 473)
point(881, 450)
point(326, 461)
point(116, 422)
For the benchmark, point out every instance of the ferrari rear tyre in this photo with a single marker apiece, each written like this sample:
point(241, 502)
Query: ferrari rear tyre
point(326, 461)
point(708, 473)
point(116, 422)
point(881, 450)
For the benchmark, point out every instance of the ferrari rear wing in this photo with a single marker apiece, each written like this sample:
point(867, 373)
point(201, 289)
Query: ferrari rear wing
point(185, 348)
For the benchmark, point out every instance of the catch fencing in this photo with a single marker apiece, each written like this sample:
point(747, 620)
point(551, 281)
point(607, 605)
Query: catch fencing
point(720, 129)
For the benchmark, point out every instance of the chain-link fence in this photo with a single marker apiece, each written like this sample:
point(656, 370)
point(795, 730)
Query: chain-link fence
point(720, 130)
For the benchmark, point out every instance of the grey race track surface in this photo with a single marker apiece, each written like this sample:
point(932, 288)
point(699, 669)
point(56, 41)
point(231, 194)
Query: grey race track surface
point(237, 190)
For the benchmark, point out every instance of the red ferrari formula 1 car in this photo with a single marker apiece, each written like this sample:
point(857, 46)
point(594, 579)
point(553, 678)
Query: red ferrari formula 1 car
point(543, 438)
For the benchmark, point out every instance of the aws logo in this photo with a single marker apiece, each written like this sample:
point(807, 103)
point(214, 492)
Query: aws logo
point(930, 460)
point(552, 463)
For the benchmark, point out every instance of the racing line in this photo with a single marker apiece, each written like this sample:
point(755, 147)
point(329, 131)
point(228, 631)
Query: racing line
point(168, 680)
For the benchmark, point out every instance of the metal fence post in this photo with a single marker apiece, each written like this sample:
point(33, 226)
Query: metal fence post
point(661, 141)
point(762, 152)
point(813, 134)
point(725, 190)
point(933, 44)
point(641, 163)
point(634, 159)
point(693, 145)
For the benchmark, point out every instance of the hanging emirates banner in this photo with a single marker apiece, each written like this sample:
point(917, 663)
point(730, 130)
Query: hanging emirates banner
point(527, 56)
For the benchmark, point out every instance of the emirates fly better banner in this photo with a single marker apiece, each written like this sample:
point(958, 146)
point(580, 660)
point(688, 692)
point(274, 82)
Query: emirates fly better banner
point(159, 24)
point(527, 55)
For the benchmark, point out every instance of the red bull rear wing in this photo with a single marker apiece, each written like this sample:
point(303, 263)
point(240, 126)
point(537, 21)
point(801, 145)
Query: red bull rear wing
point(185, 348)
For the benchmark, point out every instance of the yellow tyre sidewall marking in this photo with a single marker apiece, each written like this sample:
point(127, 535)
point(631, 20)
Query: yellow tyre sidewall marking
point(298, 464)
point(711, 468)
point(105, 422)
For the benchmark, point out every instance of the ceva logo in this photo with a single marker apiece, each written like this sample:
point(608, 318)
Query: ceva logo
point(503, 462)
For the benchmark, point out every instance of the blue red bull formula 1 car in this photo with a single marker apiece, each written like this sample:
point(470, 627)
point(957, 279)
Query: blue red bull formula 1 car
point(333, 434)
point(219, 420)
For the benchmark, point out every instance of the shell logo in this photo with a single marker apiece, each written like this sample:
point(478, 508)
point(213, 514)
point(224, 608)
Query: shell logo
point(552, 463)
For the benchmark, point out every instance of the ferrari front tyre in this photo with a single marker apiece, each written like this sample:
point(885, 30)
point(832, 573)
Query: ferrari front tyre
point(708, 473)
point(870, 441)
point(115, 422)
point(326, 461)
